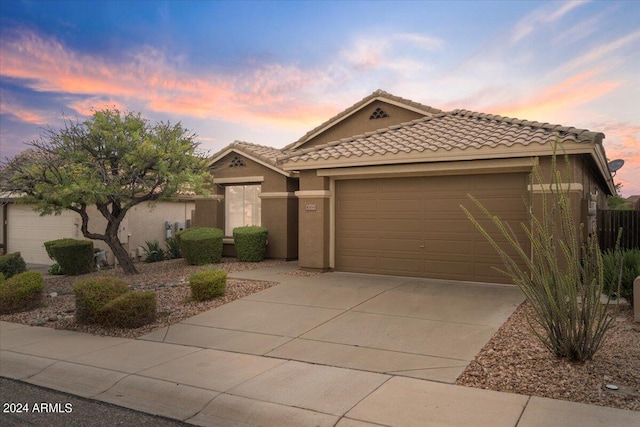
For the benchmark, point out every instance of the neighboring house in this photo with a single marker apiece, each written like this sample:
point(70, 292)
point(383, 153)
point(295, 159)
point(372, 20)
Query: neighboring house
point(378, 188)
point(25, 230)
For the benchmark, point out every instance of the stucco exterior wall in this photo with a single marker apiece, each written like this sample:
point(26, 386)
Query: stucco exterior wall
point(279, 206)
point(360, 123)
point(142, 223)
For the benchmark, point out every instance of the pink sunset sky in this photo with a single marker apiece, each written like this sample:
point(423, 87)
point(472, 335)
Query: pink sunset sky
point(267, 72)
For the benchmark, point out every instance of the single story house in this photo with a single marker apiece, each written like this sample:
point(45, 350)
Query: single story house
point(378, 187)
point(25, 231)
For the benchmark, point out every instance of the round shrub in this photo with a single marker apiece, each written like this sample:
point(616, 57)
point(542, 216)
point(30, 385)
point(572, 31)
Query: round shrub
point(93, 294)
point(201, 245)
point(130, 310)
point(12, 264)
point(74, 256)
point(208, 284)
point(21, 292)
point(250, 242)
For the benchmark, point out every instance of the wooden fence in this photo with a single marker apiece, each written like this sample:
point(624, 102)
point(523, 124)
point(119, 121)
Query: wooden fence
point(609, 222)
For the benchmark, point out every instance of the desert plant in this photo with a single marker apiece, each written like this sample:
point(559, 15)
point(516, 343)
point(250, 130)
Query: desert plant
point(154, 252)
point(129, 310)
point(21, 292)
point(173, 248)
point(250, 242)
point(208, 284)
point(74, 256)
point(93, 294)
point(12, 264)
point(201, 245)
point(55, 269)
point(621, 267)
point(563, 278)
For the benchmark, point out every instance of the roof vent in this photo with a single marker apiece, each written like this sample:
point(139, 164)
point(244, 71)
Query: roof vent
point(236, 162)
point(378, 114)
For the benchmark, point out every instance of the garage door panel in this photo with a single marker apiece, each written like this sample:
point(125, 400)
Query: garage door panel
point(358, 242)
point(27, 231)
point(425, 211)
point(358, 208)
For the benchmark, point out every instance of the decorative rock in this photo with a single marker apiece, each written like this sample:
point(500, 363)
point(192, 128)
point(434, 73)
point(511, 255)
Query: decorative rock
point(53, 294)
point(53, 318)
point(37, 322)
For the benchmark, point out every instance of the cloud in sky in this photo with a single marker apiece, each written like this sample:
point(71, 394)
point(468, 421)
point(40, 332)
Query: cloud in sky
point(538, 61)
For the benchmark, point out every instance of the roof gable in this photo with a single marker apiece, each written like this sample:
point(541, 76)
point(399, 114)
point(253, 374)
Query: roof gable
point(377, 96)
point(266, 156)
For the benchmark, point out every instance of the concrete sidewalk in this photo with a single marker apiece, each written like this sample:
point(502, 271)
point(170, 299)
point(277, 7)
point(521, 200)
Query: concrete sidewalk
point(206, 386)
point(211, 387)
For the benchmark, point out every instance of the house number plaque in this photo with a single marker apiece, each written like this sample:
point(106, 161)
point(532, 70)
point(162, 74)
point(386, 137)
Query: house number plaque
point(311, 207)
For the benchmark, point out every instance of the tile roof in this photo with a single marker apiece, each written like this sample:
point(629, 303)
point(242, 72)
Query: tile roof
point(459, 129)
point(260, 152)
point(366, 100)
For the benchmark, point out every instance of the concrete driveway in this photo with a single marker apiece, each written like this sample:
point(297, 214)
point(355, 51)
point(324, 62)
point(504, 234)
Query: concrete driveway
point(422, 328)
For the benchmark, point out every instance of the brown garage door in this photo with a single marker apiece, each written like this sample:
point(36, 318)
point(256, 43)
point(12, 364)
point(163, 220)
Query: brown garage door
point(415, 227)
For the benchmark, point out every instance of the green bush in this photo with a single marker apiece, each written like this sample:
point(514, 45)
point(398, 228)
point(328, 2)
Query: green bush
point(250, 242)
point(54, 269)
point(129, 310)
point(208, 284)
point(629, 259)
point(48, 246)
point(201, 245)
point(12, 264)
point(74, 256)
point(173, 248)
point(154, 252)
point(1, 278)
point(21, 292)
point(93, 294)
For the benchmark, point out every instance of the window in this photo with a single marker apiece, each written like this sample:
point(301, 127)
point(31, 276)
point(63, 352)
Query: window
point(242, 206)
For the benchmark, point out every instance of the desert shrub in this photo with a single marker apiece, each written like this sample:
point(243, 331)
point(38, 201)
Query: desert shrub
point(563, 279)
point(93, 294)
point(12, 264)
point(1, 278)
point(621, 265)
point(173, 248)
point(55, 269)
point(201, 245)
point(74, 256)
point(154, 252)
point(208, 284)
point(250, 242)
point(129, 310)
point(21, 292)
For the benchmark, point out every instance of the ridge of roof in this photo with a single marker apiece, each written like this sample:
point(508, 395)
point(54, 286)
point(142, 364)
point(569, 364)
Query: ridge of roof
point(294, 153)
point(379, 93)
point(524, 131)
point(583, 134)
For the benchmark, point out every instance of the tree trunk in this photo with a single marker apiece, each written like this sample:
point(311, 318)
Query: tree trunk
point(121, 255)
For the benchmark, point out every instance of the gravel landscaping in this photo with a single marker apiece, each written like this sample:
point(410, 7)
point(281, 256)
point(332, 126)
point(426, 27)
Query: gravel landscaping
point(170, 281)
point(515, 361)
point(512, 361)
